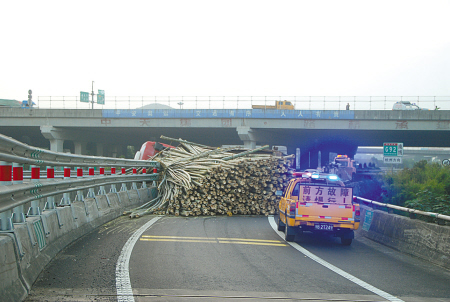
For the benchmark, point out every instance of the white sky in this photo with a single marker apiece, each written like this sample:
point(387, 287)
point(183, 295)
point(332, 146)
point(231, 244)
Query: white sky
point(225, 48)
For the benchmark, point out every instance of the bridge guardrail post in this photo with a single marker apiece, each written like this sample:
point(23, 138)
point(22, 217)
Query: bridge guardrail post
point(154, 172)
point(35, 209)
point(123, 188)
point(65, 200)
point(133, 184)
point(144, 183)
point(113, 186)
point(80, 196)
point(18, 212)
point(91, 192)
point(50, 204)
point(102, 190)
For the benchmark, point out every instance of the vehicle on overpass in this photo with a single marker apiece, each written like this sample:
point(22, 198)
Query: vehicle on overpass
point(406, 105)
point(15, 103)
point(278, 105)
point(319, 203)
point(10, 103)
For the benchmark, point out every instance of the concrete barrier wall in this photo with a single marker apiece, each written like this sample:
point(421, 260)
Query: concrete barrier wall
point(427, 241)
point(42, 237)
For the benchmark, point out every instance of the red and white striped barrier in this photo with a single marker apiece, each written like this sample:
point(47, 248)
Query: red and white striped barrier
point(5, 173)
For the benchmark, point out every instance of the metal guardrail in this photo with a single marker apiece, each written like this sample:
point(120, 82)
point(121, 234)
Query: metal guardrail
point(12, 150)
point(20, 194)
point(15, 194)
point(408, 210)
point(242, 102)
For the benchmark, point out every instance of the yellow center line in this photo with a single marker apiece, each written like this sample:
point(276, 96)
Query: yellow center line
point(254, 243)
point(209, 238)
point(244, 239)
point(176, 240)
point(177, 237)
point(212, 240)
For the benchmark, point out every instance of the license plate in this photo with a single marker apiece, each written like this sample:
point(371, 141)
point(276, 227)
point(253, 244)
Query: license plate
point(323, 227)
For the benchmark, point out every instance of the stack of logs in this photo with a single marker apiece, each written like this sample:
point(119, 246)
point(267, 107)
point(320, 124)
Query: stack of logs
point(248, 189)
point(200, 180)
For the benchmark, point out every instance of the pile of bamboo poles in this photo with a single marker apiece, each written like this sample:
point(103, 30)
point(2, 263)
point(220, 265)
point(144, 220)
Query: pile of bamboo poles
point(199, 180)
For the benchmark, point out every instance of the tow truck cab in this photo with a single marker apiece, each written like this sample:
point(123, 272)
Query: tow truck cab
point(318, 203)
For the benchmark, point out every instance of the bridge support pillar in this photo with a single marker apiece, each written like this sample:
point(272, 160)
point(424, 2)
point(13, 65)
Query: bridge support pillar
point(247, 136)
point(55, 136)
point(297, 158)
point(80, 147)
point(99, 151)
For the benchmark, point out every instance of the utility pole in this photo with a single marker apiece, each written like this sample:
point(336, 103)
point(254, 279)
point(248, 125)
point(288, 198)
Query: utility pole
point(92, 94)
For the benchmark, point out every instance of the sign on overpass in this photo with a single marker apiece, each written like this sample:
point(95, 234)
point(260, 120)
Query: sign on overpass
point(84, 96)
point(393, 153)
point(393, 149)
point(228, 113)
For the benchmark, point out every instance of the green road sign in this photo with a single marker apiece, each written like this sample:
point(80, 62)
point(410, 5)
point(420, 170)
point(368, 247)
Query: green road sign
point(101, 97)
point(84, 97)
point(393, 149)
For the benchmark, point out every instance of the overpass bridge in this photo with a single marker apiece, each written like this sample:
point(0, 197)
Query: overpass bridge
point(109, 131)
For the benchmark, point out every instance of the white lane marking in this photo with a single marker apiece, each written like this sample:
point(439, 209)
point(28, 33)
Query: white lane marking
point(123, 284)
point(335, 269)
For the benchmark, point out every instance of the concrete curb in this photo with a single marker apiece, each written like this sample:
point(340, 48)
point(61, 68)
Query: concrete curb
point(42, 237)
point(427, 241)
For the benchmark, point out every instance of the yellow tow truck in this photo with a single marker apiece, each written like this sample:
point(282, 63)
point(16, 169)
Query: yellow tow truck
point(314, 202)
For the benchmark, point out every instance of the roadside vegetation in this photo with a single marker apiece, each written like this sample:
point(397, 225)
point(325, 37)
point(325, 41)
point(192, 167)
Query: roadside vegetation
point(425, 187)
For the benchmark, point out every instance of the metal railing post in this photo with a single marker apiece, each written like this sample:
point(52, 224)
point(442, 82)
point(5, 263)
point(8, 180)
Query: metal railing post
point(144, 183)
point(113, 186)
point(80, 196)
point(133, 184)
point(50, 204)
point(65, 200)
point(91, 193)
point(102, 190)
point(154, 172)
point(5, 180)
point(35, 208)
point(123, 188)
point(18, 212)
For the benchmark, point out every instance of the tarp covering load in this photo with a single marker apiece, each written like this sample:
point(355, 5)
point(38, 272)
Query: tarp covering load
point(200, 180)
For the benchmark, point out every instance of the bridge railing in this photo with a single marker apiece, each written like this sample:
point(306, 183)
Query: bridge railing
point(242, 102)
point(412, 212)
point(79, 174)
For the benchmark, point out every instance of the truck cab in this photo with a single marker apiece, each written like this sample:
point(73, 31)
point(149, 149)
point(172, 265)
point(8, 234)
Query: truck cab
point(344, 167)
point(284, 105)
point(318, 203)
point(279, 105)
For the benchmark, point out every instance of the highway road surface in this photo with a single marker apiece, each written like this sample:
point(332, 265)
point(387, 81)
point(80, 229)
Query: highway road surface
point(238, 258)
